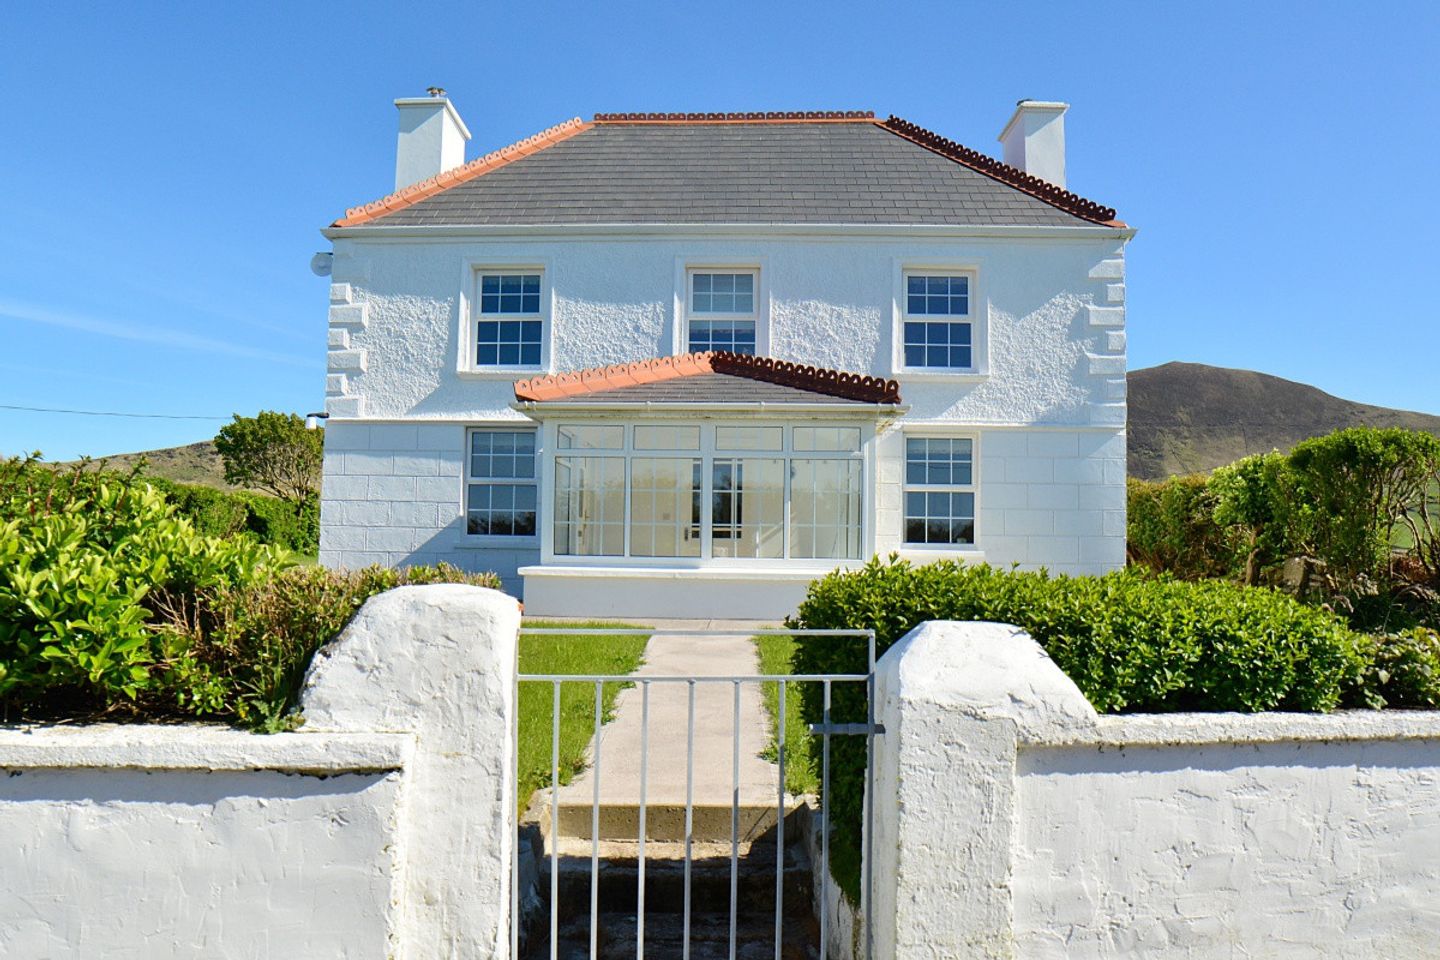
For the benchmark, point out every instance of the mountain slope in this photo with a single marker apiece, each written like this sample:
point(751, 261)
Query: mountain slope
point(197, 463)
point(1189, 417)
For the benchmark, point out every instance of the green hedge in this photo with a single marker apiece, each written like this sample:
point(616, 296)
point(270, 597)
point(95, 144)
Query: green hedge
point(1131, 643)
point(115, 604)
point(219, 513)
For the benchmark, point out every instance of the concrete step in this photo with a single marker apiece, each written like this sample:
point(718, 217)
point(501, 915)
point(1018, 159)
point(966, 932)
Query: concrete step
point(709, 822)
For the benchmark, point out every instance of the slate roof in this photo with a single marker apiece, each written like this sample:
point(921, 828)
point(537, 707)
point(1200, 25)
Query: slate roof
point(774, 169)
point(711, 377)
point(712, 388)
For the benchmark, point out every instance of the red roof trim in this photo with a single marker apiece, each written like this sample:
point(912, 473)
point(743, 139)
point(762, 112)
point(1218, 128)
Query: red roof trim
point(806, 116)
point(1057, 197)
point(444, 181)
point(833, 383)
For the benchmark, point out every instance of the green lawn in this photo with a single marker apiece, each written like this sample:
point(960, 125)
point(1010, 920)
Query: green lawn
point(567, 654)
point(802, 769)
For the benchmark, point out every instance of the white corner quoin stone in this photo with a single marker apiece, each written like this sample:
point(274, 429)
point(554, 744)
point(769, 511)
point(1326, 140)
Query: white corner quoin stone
point(382, 829)
point(1012, 821)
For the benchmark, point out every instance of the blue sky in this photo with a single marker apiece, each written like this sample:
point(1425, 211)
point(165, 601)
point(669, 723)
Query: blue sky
point(165, 170)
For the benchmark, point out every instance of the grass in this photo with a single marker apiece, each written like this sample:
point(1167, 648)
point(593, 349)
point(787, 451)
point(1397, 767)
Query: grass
point(802, 755)
point(567, 654)
point(802, 768)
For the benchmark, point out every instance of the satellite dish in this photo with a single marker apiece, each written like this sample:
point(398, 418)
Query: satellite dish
point(320, 264)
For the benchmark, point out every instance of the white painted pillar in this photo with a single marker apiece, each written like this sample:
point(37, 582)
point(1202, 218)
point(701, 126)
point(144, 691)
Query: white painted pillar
point(956, 700)
point(437, 662)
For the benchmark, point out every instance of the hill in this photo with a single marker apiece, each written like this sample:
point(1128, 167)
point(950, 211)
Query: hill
point(193, 463)
point(1189, 417)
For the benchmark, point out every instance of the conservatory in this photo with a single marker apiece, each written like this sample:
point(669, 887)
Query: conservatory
point(668, 486)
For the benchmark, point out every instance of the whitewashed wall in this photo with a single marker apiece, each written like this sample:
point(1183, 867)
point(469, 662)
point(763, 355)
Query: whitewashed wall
point(1049, 412)
point(1014, 822)
point(145, 842)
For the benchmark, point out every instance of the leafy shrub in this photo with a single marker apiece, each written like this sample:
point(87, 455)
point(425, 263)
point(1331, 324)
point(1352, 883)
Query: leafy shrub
point(113, 604)
point(1171, 528)
point(85, 565)
point(1358, 487)
point(1255, 505)
point(218, 513)
point(1402, 670)
point(246, 662)
point(1130, 642)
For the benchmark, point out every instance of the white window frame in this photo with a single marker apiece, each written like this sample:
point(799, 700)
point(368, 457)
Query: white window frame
point(467, 478)
point(685, 269)
point(707, 454)
point(977, 318)
point(469, 318)
point(973, 488)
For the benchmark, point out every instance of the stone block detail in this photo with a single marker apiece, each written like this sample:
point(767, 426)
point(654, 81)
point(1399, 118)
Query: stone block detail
point(350, 361)
point(349, 314)
point(345, 406)
point(1115, 341)
point(1114, 293)
point(1105, 366)
point(1105, 316)
point(338, 338)
point(1113, 269)
point(339, 293)
point(335, 384)
point(1115, 389)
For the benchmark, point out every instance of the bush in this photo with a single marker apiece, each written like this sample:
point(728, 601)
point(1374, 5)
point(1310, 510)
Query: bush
point(218, 513)
point(113, 604)
point(1402, 670)
point(1130, 642)
point(1171, 528)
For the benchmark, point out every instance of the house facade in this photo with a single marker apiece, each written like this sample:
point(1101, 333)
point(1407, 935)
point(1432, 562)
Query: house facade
point(679, 365)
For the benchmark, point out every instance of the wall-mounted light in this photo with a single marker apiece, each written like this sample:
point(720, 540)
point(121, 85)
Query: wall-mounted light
point(312, 420)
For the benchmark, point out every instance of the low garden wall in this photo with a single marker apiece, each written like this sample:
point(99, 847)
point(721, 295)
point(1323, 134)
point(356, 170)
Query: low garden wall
point(382, 829)
point(1013, 821)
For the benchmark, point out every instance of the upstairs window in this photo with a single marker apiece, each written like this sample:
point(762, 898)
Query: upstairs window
point(722, 310)
point(510, 325)
point(938, 332)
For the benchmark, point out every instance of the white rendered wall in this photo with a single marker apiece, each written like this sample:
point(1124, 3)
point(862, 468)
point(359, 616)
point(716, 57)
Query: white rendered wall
point(1049, 411)
point(145, 842)
point(1012, 821)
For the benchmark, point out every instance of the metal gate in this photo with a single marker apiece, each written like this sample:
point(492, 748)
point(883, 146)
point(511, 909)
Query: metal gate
point(823, 732)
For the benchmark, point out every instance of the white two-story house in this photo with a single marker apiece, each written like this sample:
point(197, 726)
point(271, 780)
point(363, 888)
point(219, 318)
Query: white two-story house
point(681, 364)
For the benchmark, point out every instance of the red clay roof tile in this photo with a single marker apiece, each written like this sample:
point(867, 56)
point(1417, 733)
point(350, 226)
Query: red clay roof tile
point(448, 178)
point(1057, 197)
point(834, 383)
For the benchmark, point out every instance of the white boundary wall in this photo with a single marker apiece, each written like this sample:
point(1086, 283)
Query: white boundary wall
point(1012, 821)
point(382, 829)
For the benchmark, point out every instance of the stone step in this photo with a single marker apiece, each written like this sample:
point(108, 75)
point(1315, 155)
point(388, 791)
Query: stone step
point(619, 882)
point(666, 821)
point(665, 938)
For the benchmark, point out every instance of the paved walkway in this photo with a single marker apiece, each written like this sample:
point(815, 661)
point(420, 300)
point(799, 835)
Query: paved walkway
point(668, 655)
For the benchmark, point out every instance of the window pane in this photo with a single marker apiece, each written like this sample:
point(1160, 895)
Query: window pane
point(592, 437)
point(510, 293)
point(589, 506)
point(944, 345)
point(496, 504)
point(667, 438)
point(946, 296)
point(747, 508)
point(825, 509)
point(736, 336)
point(713, 292)
point(939, 516)
point(828, 438)
point(508, 342)
point(749, 438)
point(665, 507)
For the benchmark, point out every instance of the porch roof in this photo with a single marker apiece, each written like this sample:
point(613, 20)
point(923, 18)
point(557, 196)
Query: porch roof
point(710, 378)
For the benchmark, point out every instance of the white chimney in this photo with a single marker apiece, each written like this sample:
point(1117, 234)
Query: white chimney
point(1034, 139)
point(432, 138)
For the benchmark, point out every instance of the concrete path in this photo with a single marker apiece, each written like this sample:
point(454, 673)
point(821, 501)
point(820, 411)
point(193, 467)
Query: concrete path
point(668, 655)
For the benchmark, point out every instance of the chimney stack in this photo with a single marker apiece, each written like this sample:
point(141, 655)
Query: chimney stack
point(432, 138)
point(1034, 139)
